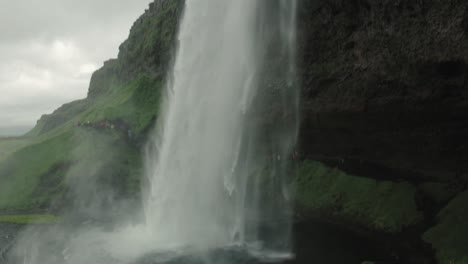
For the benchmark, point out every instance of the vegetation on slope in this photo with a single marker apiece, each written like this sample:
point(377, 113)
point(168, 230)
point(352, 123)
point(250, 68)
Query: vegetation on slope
point(120, 109)
point(29, 219)
point(23, 171)
point(9, 145)
point(383, 206)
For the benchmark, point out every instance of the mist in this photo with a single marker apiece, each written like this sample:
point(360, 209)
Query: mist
point(12, 131)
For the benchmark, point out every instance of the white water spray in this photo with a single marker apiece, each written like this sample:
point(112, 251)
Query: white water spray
point(206, 152)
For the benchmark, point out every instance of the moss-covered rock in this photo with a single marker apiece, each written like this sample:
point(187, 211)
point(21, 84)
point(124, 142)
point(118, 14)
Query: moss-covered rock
point(375, 205)
point(450, 236)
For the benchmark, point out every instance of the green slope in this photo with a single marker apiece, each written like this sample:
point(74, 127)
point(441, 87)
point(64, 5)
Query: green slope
point(22, 171)
point(119, 111)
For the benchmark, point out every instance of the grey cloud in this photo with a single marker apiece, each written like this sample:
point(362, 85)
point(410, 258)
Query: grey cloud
point(49, 48)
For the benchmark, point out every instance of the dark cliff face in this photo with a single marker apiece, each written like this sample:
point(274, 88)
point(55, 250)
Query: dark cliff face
point(385, 98)
point(386, 83)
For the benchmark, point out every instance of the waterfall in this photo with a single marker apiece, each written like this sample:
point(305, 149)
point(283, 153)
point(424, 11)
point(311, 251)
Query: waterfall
point(218, 162)
point(216, 174)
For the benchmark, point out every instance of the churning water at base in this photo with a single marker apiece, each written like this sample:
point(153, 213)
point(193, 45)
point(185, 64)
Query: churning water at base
point(208, 166)
point(217, 164)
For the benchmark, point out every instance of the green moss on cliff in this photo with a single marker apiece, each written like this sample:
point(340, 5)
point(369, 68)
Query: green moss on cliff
point(450, 236)
point(151, 41)
point(136, 103)
point(383, 206)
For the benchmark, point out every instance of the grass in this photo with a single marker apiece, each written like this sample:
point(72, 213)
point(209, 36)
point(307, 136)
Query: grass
point(39, 174)
point(33, 169)
point(9, 145)
point(20, 174)
point(29, 219)
point(60, 117)
point(135, 102)
point(378, 205)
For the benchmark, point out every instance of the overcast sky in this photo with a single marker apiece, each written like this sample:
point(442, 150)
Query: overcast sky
point(49, 49)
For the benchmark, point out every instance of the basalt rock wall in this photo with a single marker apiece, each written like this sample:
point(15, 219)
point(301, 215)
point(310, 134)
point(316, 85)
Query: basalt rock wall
point(385, 99)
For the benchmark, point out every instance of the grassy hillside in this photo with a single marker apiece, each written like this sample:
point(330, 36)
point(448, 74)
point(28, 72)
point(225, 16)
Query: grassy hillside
point(22, 171)
point(29, 219)
point(98, 138)
point(9, 145)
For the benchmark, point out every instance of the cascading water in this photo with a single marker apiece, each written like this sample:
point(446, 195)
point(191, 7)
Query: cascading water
point(218, 162)
point(216, 173)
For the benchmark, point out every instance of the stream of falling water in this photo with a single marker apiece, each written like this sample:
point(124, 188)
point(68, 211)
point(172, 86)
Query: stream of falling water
point(211, 168)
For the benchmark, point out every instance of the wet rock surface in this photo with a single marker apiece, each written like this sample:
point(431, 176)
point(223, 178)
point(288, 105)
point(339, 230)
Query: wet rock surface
point(385, 97)
point(385, 83)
